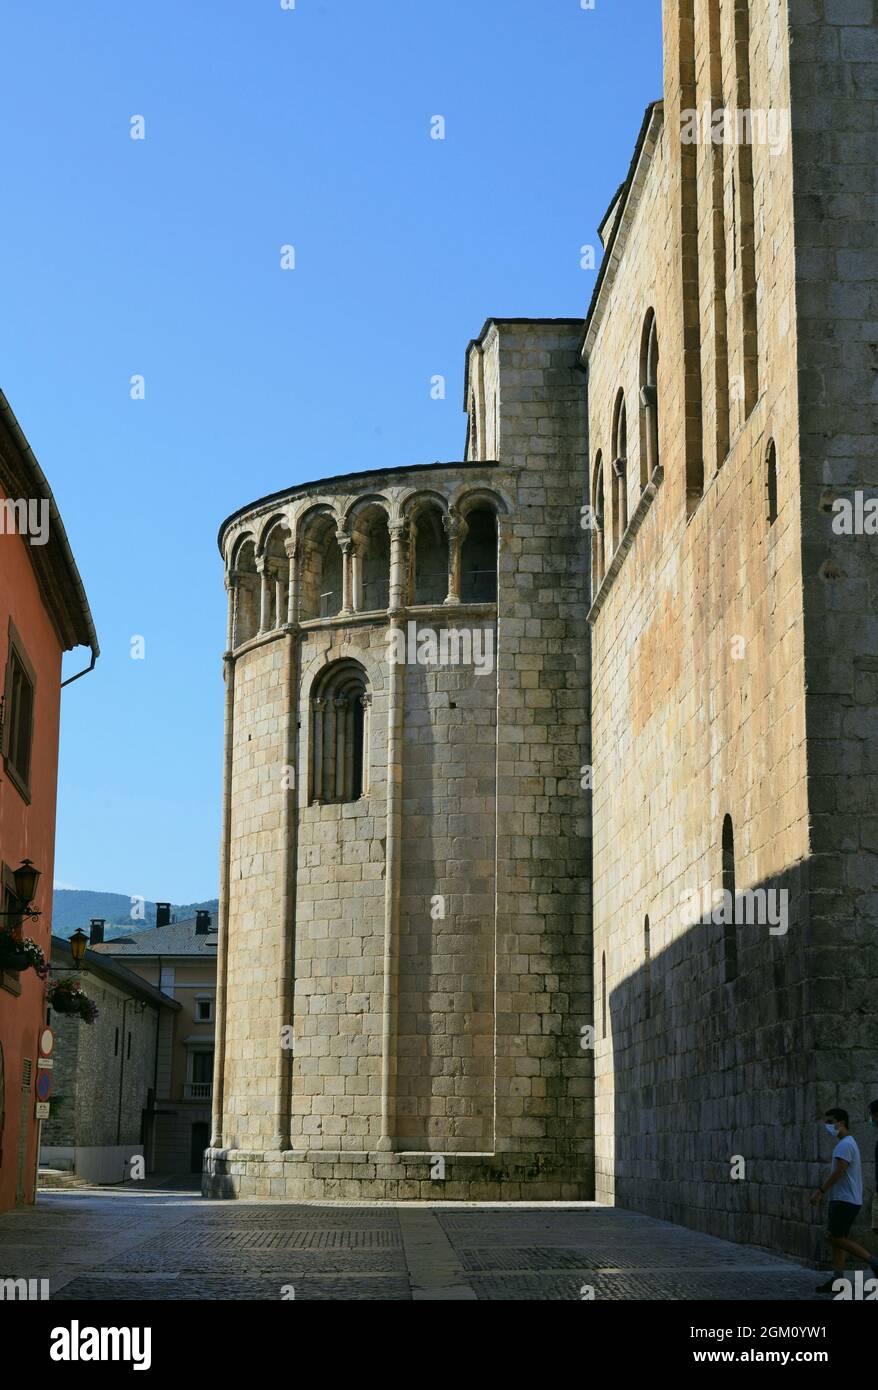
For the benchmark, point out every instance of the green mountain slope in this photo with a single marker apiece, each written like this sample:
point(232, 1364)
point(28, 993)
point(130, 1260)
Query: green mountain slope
point(75, 907)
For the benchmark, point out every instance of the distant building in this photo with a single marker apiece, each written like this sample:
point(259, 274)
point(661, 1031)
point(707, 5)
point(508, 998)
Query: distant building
point(179, 958)
point(43, 613)
point(103, 1103)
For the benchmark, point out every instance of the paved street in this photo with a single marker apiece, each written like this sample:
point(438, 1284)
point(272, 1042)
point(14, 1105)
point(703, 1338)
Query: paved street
point(160, 1244)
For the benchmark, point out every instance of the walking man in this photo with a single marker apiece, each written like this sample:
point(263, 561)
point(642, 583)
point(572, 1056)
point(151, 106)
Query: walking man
point(873, 1116)
point(845, 1182)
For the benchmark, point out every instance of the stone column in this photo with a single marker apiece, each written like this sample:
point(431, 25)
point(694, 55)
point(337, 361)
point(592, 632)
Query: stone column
point(232, 614)
point(357, 576)
point(649, 401)
point(400, 542)
point(317, 707)
point(279, 604)
point(292, 582)
point(456, 529)
point(367, 722)
point(344, 545)
point(264, 593)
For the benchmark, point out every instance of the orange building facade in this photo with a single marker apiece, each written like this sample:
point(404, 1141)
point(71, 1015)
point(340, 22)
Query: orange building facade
point(43, 613)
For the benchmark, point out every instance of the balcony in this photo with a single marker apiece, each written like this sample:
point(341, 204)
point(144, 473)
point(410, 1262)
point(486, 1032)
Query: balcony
point(197, 1090)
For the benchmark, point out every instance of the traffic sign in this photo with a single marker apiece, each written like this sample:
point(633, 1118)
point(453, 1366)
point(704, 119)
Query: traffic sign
point(42, 1110)
point(44, 1085)
point(47, 1042)
point(47, 1063)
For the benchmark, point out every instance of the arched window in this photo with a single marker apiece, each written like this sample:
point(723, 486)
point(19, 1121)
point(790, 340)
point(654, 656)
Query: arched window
point(478, 558)
point(730, 929)
point(275, 581)
point(370, 559)
point(649, 431)
point(246, 591)
point(604, 994)
point(339, 734)
point(771, 482)
point(620, 462)
point(320, 575)
point(597, 533)
point(430, 544)
point(647, 970)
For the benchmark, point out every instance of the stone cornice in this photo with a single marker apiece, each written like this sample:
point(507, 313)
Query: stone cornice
point(628, 202)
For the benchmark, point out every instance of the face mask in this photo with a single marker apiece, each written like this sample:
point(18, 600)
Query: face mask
point(830, 1129)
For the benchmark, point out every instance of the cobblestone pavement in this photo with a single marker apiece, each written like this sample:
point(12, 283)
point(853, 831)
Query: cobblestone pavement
point(120, 1244)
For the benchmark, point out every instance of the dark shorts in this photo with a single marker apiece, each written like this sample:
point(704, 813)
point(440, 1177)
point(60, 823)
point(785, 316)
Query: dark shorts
point(842, 1216)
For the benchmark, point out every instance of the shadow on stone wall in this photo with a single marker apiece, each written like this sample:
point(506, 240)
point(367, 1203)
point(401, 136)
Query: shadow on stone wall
point(714, 1077)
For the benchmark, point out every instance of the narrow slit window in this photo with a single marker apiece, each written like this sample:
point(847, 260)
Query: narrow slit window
point(730, 927)
point(771, 482)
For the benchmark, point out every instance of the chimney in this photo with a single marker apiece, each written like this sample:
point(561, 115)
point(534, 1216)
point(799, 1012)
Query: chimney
point(163, 914)
point(96, 931)
point(202, 922)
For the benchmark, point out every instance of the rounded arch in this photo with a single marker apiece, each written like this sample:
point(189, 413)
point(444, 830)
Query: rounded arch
point(273, 554)
point(368, 502)
point(478, 555)
point(368, 526)
point(243, 551)
point(319, 558)
point(340, 700)
point(649, 398)
point(245, 587)
point(278, 520)
point(428, 579)
point(418, 501)
point(479, 498)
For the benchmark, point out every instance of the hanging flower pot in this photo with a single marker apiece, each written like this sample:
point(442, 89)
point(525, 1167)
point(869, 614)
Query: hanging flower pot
point(64, 1004)
point(13, 956)
point(67, 997)
point(21, 953)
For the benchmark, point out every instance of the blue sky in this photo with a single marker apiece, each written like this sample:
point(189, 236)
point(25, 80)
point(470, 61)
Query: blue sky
point(265, 127)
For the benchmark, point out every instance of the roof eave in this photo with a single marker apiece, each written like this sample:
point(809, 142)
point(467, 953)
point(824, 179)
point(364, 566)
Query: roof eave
point(53, 563)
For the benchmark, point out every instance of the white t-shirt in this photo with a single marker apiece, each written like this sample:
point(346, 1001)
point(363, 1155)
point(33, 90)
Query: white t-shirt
point(850, 1187)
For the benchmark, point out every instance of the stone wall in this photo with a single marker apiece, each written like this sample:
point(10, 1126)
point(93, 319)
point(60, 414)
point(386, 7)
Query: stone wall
point(834, 78)
point(707, 1109)
point(90, 1067)
point(430, 936)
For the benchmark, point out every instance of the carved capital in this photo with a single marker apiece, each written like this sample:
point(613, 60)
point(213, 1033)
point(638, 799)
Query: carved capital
point(455, 526)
